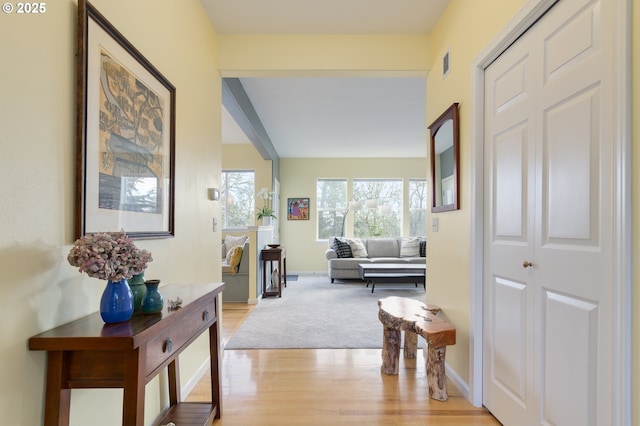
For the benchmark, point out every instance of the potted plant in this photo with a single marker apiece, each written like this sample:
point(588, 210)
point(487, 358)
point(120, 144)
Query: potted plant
point(110, 256)
point(266, 212)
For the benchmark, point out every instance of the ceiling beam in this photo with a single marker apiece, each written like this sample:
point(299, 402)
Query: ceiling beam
point(236, 101)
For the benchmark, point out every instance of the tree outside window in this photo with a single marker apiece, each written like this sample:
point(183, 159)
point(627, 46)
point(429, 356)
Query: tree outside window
point(417, 207)
point(237, 195)
point(385, 218)
point(331, 207)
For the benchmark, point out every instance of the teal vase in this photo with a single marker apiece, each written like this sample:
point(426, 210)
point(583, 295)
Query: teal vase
point(116, 303)
point(152, 302)
point(136, 283)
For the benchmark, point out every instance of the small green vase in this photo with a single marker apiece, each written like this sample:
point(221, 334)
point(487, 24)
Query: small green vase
point(136, 283)
point(152, 302)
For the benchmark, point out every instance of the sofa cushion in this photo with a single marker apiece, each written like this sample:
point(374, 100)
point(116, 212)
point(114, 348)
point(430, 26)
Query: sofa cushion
point(234, 261)
point(342, 248)
point(357, 248)
point(410, 247)
point(383, 247)
point(348, 263)
point(231, 241)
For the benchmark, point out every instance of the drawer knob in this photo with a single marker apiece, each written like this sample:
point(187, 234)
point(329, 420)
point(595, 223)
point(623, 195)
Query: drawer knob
point(205, 315)
point(168, 345)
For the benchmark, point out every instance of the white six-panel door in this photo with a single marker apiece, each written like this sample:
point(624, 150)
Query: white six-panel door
point(548, 204)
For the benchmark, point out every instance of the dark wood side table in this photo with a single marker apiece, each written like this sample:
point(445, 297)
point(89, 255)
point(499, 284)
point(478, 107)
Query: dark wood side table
point(87, 353)
point(273, 254)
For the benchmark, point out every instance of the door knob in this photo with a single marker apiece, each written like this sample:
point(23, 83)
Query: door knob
point(527, 264)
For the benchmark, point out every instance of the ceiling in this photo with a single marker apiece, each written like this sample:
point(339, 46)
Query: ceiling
point(335, 117)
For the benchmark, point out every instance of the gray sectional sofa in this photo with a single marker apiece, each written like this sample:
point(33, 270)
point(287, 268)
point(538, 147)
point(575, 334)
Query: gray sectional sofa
point(378, 250)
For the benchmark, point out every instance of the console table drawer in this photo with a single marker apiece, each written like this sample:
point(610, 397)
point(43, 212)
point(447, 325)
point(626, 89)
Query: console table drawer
point(176, 337)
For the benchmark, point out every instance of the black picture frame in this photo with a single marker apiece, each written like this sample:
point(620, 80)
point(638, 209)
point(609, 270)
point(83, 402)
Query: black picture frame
point(125, 135)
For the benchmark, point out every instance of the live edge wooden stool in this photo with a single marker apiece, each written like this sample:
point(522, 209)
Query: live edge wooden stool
point(399, 314)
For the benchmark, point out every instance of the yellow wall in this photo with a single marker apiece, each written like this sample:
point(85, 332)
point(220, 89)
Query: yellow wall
point(39, 289)
point(246, 157)
point(305, 55)
point(448, 260)
point(298, 180)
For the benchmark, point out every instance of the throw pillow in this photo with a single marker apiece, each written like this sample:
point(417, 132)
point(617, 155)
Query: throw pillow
point(357, 248)
point(423, 247)
point(410, 247)
point(342, 248)
point(231, 241)
point(234, 261)
point(224, 251)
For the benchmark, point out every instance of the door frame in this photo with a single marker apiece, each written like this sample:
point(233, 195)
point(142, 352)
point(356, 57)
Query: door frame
point(620, 20)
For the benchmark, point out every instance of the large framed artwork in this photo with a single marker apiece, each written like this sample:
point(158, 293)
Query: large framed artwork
point(125, 135)
point(298, 209)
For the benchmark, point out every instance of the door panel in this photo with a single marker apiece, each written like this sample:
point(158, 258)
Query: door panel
point(548, 224)
point(509, 224)
point(509, 331)
point(569, 359)
point(510, 206)
point(572, 177)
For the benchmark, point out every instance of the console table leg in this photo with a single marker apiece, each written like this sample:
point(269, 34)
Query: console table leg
point(58, 400)
point(390, 351)
point(215, 367)
point(133, 395)
point(436, 378)
point(173, 375)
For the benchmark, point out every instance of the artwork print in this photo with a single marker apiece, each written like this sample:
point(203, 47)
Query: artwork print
point(131, 151)
point(125, 134)
point(298, 209)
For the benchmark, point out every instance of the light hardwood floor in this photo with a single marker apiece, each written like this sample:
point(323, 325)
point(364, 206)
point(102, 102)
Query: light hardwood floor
point(327, 387)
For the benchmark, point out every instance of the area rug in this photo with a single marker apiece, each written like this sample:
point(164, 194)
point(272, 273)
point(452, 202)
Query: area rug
point(313, 313)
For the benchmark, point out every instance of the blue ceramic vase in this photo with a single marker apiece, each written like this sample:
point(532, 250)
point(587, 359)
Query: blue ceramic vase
point(116, 303)
point(152, 302)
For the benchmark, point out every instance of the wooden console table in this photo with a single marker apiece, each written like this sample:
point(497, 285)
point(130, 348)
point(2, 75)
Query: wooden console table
point(87, 353)
point(274, 254)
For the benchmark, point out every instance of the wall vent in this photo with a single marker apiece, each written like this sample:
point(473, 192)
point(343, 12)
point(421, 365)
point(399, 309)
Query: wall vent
point(446, 64)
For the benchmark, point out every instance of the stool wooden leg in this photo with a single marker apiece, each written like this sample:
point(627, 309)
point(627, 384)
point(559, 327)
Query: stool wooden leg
point(436, 377)
point(410, 344)
point(390, 351)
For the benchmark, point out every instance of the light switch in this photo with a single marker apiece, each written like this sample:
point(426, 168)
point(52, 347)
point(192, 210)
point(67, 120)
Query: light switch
point(214, 194)
point(434, 224)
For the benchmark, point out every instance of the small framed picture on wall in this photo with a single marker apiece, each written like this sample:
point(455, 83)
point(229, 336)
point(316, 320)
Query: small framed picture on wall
point(298, 209)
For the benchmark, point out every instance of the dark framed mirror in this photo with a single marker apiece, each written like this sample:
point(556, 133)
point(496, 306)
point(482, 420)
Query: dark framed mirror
point(445, 142)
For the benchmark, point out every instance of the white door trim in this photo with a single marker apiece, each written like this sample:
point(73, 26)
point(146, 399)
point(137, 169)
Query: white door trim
point(622, 276)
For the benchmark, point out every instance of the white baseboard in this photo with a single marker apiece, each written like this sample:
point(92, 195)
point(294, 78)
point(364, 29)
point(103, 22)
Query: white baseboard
point(195, 379)
point(462, 386)
point(307, 273)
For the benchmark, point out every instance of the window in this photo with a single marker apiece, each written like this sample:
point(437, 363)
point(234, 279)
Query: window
point(331, 207)
point(417, 207)
point(238, 196)
point(381, 211)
